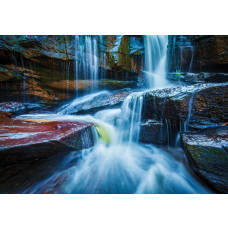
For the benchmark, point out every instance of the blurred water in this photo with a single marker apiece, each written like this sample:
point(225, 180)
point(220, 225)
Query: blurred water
point(122, 164)
point(155, 60)
point(119, 163)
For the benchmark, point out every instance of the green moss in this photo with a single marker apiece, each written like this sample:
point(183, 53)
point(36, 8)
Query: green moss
point(124, 54)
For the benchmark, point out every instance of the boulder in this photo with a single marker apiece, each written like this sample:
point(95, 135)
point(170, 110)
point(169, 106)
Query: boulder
point(207, 155)
point(199, 106)
point(22, 140)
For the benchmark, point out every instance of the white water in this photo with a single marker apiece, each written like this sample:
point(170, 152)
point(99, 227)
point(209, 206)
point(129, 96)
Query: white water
point(86, 60)
point(155, 61)
point(121, 164)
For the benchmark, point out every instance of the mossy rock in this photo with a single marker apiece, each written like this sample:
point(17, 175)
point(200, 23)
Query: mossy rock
point(207, 155)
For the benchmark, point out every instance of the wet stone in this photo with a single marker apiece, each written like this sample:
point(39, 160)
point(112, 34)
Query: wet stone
point(207, 154)
point(13, 107)
point(22, 140)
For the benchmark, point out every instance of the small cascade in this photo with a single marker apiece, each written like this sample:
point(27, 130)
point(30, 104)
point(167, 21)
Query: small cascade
point(190, 108)
point(155, 60)
point(102, 57)
point(129, 124)
point(86, 60)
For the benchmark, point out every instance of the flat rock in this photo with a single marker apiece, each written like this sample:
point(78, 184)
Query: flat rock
point(26, 140)
point(93, 103)
point(207, 154)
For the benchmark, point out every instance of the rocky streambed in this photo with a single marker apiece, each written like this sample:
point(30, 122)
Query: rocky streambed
point(198, 116)
point(194, 117)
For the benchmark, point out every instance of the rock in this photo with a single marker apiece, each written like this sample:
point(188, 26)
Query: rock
point(83, 85)
point(198, 53)
point(152, 131)
point(117, 53)
point(199, 106)
point(22, 140)
point(13, 107)
point(95, 102)
point(199, 77)
point(207, 154)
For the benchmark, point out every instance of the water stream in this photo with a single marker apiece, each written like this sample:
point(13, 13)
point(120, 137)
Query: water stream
point(155, 61)
point(86, 60)
point(119, 163)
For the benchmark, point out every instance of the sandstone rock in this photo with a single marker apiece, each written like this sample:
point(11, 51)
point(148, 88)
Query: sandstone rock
point(207, 154)
point(22, 140)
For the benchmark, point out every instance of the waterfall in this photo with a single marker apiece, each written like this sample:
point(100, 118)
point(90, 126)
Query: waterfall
point(119, 163)
point(86, 61)
point(155, 60)
point(131, 118)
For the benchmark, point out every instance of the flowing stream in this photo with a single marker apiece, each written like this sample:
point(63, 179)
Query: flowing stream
point(119, 163)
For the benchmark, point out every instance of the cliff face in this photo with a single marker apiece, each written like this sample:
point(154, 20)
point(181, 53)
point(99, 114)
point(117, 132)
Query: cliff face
point(34, 66)
point(198, 53)
point(115, 53)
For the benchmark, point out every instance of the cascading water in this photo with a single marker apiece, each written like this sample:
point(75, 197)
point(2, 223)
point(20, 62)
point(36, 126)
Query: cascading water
point(86, 60)
point(119, 163)
point(155, 60)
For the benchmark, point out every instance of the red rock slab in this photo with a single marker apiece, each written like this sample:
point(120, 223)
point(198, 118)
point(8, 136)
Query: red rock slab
point(24, 140)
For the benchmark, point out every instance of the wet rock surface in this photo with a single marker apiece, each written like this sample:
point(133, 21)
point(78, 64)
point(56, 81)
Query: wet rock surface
point(197, 53)
point(152, 131)
point(122, 54)
point(23, 176)
point(12, 107)
point(207, 154)
point(158, 132)
point(199, 106)
point(22, 140)
point(101, 101)
point(199, 77)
